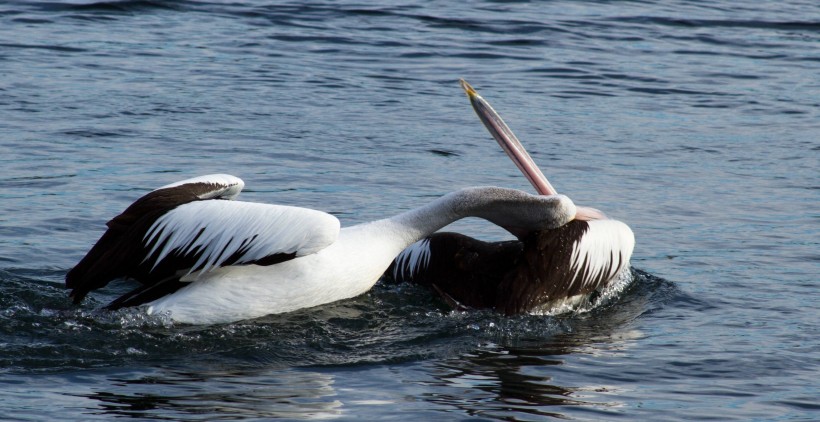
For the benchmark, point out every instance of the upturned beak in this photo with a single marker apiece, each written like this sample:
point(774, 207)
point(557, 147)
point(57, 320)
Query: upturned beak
point(508, 141)
point(512, 146)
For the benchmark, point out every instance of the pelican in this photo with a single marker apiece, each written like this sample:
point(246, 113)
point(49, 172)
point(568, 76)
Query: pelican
point(542, 271)
point(203, 258)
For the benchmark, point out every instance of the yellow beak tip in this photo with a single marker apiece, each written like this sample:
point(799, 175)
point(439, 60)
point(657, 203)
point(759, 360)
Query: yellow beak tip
point(467, 88)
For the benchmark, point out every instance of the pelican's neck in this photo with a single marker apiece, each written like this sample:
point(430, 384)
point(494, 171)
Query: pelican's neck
point(508, 208)
point(416, 224)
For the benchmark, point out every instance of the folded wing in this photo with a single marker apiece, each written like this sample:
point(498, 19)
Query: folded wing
point(188, 228)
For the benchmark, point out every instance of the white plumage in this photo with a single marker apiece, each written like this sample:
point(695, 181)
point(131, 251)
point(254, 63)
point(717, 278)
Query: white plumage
point(219, 229)
point(603, 251)
point(413, 259)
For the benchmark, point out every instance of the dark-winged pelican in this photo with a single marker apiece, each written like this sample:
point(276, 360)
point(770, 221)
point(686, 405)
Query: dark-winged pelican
point(541, 271)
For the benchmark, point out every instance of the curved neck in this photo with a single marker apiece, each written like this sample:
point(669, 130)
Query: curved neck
point(512, 209)
point(416, 224)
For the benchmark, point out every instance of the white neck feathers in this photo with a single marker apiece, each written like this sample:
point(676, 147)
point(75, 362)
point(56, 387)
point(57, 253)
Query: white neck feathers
point(509, 208)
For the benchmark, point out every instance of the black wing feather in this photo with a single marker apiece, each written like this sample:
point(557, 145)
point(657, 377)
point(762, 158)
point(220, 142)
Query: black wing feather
point(120, 251)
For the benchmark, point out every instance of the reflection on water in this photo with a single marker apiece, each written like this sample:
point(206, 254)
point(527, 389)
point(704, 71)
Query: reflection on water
point(172, 394)
point(492, 384)
point(527, 375)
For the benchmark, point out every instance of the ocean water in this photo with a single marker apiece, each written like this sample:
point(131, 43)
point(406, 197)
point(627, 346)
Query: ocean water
point(697, 123)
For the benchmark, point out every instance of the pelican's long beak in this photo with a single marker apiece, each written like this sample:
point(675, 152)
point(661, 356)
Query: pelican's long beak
point(509, 143)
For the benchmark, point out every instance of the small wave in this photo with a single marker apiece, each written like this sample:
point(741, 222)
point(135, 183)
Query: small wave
point(59, 48)
point(721, 23)
point(109, 6)
point(444, 153)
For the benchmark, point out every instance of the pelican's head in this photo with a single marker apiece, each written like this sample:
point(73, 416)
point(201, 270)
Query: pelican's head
point(512, 146)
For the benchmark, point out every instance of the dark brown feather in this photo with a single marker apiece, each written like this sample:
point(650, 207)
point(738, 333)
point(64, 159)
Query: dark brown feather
point(544, 273)
point(510, 277)
point(464, 269)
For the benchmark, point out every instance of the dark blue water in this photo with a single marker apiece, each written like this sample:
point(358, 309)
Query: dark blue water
point(697, 123)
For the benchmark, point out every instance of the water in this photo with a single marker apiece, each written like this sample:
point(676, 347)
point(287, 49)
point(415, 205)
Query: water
point(695, 122)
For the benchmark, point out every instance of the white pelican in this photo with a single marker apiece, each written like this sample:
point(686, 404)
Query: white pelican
point(204, 259)
point(542, 270)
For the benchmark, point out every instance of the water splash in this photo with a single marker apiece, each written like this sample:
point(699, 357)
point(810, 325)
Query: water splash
point(580, 304)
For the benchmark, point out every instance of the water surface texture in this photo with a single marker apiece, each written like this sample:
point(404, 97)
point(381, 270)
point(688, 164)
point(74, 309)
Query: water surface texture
point(695, 122)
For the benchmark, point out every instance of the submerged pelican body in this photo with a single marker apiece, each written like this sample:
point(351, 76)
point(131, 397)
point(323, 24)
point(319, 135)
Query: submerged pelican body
point(542, 271)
